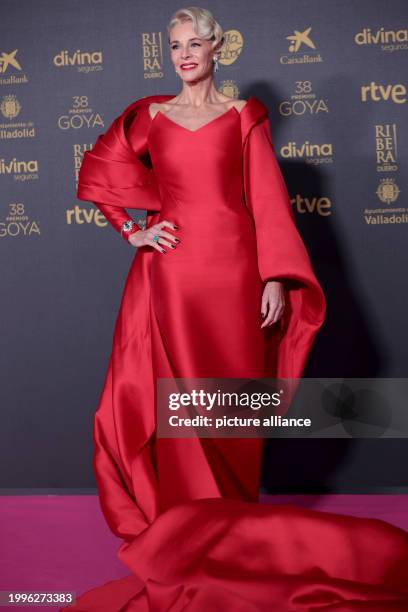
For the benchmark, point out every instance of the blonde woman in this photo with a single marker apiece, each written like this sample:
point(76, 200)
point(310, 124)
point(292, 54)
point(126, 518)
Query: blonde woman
point(221, 286)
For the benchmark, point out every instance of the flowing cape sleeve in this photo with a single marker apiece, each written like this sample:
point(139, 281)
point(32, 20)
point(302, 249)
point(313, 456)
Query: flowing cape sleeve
point(113, 171)
point(282, 254)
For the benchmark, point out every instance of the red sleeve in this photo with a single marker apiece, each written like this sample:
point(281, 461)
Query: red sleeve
point(281, 252)
point(114, 175)
point(267, 198)
point(115, 215)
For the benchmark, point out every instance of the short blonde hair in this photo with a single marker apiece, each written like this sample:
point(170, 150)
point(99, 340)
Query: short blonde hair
point(203, 22)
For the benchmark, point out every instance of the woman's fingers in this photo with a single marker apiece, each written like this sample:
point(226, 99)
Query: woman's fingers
point(274, 315)
point(269, 318)
point(147, 237)
point(162, 240)
point(167, 224)
point(164, 234)
point(154, 243)
point(159, 227)
point(273, 305)
point(157, 230)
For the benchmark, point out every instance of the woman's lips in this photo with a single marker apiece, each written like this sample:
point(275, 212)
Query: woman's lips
point(188, 66)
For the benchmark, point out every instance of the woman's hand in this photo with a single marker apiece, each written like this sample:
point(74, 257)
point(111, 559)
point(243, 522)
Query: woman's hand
point(145, 237)
point(273, 302)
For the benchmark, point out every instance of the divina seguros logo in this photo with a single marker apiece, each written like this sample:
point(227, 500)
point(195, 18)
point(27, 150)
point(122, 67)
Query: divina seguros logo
point(20, 170)
point(311, 153)
point(84, 61)
point(386, 40)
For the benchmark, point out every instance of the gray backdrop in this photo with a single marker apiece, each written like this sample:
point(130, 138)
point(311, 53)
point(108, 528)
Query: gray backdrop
point(336, 90)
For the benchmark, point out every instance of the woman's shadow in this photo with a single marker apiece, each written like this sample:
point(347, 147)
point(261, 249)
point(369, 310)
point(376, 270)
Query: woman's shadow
point(346, 345)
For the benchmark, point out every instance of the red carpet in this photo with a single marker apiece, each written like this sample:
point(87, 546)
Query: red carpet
point(61, 543)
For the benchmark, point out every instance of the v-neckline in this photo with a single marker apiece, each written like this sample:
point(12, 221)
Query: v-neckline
point(183, 127)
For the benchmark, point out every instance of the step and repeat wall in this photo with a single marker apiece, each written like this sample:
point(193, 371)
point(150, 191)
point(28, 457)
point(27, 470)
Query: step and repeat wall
point(334, 77)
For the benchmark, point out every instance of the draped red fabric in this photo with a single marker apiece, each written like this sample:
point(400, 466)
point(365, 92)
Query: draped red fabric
point(195, 536)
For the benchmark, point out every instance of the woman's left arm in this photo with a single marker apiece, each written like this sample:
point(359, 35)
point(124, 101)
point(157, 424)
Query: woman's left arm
point(283, 260)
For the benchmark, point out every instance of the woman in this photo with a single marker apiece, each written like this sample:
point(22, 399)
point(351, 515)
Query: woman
point(220, 251)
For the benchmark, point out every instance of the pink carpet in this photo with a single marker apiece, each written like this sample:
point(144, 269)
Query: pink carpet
point(61, 543)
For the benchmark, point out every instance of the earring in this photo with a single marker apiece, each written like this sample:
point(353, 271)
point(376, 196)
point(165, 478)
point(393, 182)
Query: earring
point(216, 67)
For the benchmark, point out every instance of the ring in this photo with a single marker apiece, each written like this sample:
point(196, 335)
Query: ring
point(156, 238)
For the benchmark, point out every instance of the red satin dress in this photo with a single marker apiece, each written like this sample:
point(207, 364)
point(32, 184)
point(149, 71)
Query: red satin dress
point(195, 536)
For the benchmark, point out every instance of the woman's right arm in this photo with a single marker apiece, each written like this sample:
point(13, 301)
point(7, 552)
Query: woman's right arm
point(113, 176)
point(117, 216)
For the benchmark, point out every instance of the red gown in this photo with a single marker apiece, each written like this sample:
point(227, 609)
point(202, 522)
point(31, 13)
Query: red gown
point(194, 535)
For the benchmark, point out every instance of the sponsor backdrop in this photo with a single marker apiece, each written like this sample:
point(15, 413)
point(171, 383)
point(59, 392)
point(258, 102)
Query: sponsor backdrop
point(333, 75)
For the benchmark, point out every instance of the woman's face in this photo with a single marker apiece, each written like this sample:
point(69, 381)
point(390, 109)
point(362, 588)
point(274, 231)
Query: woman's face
point(191, 55)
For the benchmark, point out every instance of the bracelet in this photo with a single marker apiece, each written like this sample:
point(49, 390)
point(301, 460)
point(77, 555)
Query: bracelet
point(129, 227)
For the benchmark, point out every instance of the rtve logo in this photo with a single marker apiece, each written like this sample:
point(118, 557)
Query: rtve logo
point(396, 93)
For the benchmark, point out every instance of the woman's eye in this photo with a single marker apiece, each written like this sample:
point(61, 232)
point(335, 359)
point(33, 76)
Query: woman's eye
point(192, 44)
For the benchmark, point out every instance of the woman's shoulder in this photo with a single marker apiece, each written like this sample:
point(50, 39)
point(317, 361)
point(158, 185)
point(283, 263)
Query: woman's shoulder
point(140, 107)
point(249, 105)
point(138, 114)
point(239, 103)
point(163, 101)
point(153, 104)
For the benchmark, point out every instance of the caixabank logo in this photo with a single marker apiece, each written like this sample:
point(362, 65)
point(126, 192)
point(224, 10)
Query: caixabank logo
point(302, 48)
point(11, 70)
point(82, 61)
